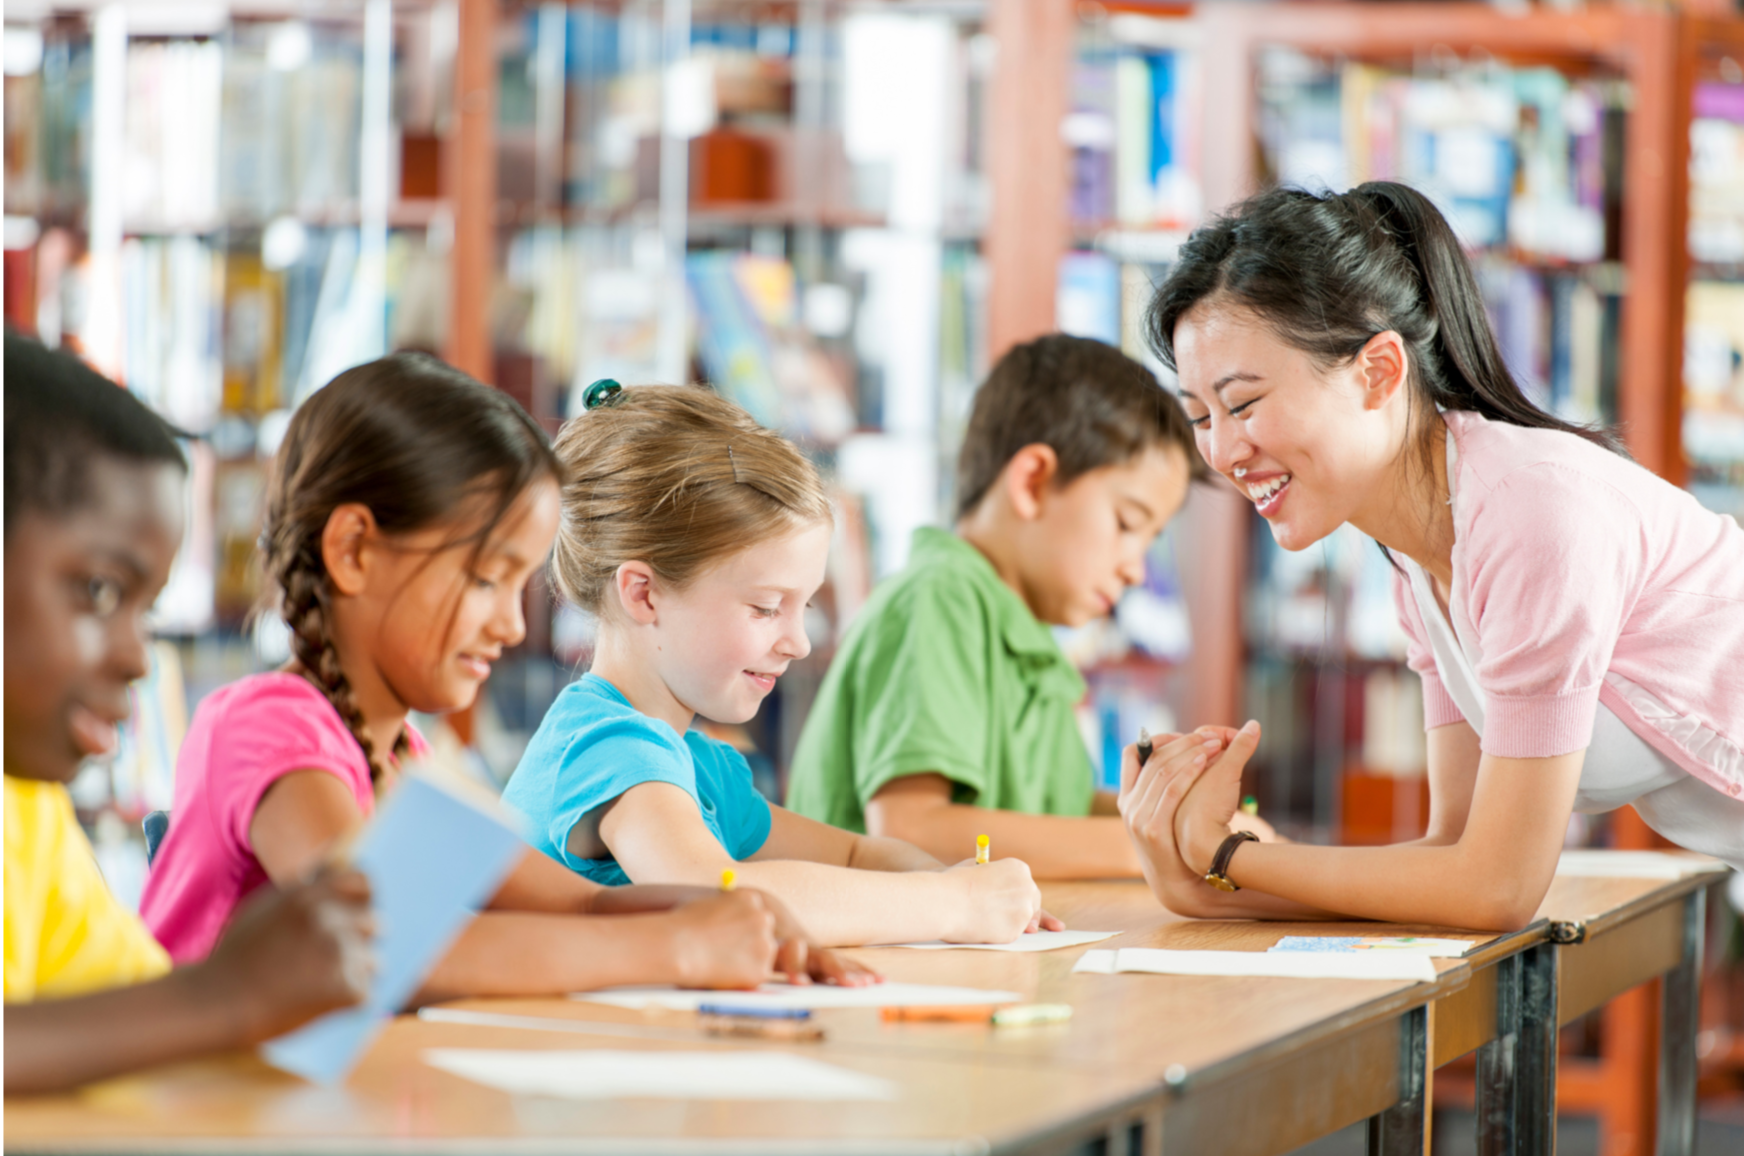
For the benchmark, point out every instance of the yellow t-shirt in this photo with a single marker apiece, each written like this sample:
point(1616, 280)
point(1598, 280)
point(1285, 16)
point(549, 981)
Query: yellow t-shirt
point(65, 932)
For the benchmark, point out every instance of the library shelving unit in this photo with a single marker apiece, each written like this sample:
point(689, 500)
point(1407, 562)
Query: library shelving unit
point(1711, 94)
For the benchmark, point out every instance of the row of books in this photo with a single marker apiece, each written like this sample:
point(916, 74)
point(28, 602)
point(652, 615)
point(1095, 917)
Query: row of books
point(262, 123)
point(1527, 159)
point(1134, 128)
point(213, 330)
point(1713, 360)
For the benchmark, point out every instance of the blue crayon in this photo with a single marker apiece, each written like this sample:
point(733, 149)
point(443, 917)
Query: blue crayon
point(762, 1013)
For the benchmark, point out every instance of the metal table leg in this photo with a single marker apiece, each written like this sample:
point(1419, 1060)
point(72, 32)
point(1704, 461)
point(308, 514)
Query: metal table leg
point(1678, 1022)
point(1517, 1069)
point(1499, 1067)
point(1400, 1130)
point(1535, 1060)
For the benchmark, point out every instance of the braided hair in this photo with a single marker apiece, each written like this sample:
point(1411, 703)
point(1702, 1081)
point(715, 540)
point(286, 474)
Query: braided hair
point(417, 442)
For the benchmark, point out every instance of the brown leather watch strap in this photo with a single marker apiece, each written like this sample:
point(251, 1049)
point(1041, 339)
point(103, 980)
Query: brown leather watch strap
point(1218, 876)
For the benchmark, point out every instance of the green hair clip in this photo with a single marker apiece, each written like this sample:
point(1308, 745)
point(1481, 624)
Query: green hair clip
point(604, 392)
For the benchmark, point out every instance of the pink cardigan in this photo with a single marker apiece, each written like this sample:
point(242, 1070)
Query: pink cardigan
point(1583, 578)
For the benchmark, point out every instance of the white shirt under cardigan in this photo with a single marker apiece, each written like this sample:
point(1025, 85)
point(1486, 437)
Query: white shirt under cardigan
point(1621, 765)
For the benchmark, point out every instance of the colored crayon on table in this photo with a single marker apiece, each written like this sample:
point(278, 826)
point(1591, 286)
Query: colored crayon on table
point(751, 1011)
point(978, 1013)
point(1029, 1014)
point(741, 1027)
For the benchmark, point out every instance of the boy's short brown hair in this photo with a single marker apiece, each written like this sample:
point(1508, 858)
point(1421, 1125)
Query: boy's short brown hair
point(1090, 403)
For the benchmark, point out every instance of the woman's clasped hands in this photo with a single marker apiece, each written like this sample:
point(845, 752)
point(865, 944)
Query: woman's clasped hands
point(1180, 806)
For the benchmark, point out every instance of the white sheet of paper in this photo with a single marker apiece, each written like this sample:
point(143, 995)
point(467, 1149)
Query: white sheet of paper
point(609, 1075)
point(781, 995)
point(1274, 964)
point(1034, 941)
point(1098, 962)
point(1631, 864)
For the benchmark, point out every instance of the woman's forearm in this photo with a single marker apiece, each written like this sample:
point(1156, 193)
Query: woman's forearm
point(1410, 883)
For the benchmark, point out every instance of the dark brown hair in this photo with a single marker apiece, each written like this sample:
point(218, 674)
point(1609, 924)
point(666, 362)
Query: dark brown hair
point(1327, 272)
point(418, 442)
point(677, 477)
point(1090, 403)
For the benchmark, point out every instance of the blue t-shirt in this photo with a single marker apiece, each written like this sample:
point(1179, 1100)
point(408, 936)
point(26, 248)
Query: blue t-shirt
point(593, 746)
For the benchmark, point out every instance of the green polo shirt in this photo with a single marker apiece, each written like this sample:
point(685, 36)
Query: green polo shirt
point(945, 670)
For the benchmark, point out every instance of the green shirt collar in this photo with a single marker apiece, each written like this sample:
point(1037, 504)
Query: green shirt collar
point(1026, 637)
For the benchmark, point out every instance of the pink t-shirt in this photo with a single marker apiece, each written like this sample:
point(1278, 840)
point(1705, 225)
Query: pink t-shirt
point(1580, 578)
point(244, 737)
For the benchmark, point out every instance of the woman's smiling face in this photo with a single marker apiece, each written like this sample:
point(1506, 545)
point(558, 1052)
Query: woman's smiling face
point(1310, 447)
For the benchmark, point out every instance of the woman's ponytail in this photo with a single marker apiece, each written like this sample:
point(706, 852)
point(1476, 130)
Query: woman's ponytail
point(1329, 271)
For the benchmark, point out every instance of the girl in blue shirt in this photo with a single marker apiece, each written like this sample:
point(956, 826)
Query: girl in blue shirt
point(696, 538)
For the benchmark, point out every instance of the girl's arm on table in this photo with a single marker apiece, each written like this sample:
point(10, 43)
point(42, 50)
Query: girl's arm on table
point(1486, 862)
point(726, 941)
point(656, 833)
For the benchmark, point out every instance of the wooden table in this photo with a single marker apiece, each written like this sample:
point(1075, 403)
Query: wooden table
point(1147, 1064)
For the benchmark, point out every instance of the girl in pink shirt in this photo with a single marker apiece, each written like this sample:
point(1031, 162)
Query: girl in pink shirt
point(1578, 622)
point(406, 511)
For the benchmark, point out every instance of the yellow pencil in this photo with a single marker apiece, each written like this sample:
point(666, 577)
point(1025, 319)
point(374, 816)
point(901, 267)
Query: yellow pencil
point(728, 879)
point(981, 853)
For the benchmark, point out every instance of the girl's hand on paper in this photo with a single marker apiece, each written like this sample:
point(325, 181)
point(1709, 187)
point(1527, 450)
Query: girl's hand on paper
point(998, 901)
point(726, 940)
point(296, 952)
point(801, 961)
point(1045, 922)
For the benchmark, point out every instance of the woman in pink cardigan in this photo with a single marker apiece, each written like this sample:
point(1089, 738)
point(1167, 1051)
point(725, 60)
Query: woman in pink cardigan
point(1578, 622)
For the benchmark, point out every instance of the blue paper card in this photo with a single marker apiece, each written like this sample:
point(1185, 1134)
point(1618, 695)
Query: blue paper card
point(433, 858)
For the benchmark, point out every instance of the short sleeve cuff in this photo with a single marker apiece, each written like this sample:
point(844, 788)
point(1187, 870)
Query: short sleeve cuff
point(1540, 727)
point(876, 776)
point(1439, 709)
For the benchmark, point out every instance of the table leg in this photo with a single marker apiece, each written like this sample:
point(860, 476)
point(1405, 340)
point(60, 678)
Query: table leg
point(1400, 1130)
point(1678, 1023)
point(1535, 1055)
point(1498, 1089)
point(1517, 1069)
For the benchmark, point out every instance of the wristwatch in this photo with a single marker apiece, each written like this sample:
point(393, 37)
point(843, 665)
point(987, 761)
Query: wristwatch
point(1220, 861)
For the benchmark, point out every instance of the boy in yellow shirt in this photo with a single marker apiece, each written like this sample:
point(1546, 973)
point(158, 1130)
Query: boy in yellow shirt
point(93, 518)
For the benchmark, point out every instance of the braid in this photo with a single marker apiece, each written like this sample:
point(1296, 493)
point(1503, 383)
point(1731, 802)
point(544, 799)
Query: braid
point(305, 611)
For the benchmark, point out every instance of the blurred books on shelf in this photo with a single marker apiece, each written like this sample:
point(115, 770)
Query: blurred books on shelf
point(1713, 353)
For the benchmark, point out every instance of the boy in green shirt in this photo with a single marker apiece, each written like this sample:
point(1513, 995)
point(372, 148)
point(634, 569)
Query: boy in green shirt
point(950, 710)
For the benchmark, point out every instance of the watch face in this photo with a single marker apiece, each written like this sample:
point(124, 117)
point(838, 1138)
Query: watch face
point(1221, 883)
